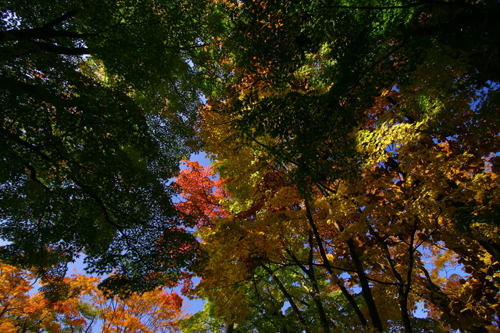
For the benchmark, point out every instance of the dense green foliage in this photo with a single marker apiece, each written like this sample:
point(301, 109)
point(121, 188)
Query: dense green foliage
point(98, 102)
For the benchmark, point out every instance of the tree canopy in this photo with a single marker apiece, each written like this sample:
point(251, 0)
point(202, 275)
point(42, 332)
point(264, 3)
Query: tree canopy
point(81, 306)
point(358, 145)
point(98, 102)
point(354, 144)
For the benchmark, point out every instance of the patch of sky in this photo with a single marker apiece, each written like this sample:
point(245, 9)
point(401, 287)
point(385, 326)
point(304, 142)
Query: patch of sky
point(483, 92)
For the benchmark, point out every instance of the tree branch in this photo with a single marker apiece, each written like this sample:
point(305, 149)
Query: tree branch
point(45, 32)
point(345, 292)
point(288, 297)
point(34, 176)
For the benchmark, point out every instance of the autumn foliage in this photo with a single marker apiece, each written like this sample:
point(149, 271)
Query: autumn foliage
point(79, 304)
point(361, 170)
point(355, 180)
point(202, 194)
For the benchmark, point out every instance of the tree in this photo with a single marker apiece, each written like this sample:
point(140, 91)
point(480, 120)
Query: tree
point(98, 100)
point(202, 194)
point(373, 233)
point(356, 144)
point(303, 73)
point(154, 311)
point(80, 305)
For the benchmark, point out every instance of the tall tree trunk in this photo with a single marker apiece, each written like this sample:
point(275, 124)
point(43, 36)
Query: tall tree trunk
point(365, 287)
point(281, 287)
point(322, 251)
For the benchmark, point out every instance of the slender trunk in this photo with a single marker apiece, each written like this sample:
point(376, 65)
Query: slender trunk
point(406, 291)
point(365, 287)
point(315, 293)
point(353, 304)
point(403, 303)
point(403, 288)
point(288, 297)
point(314, 283)
point(322, 251)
